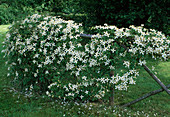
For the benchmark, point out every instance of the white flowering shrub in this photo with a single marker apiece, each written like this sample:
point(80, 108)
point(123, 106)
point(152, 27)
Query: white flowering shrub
point(38, 49)
point(46, 51)
point(120, 51)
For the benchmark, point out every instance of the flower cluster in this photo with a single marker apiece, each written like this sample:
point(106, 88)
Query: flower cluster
point(39, 47)
point(48, 52)
point(113, 49)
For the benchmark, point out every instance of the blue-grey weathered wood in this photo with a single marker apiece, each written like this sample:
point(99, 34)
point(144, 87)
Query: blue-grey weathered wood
point(86, 36)
point(145, 96)
point(156, 79)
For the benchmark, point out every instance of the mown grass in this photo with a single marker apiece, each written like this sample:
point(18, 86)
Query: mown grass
point(16, 104)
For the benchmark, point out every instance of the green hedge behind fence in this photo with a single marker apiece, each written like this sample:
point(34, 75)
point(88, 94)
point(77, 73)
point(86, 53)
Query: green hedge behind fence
point(14, 10)
point(122, 13)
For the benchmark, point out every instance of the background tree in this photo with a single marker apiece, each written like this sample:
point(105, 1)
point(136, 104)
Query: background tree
point(122, 13)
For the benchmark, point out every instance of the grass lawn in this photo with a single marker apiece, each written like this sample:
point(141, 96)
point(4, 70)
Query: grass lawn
point(16, 104)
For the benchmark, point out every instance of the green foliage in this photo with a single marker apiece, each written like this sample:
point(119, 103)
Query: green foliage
point(14, 10)
point(6, 14)
point(153, 14)
point(17, 10)
point(35, 50)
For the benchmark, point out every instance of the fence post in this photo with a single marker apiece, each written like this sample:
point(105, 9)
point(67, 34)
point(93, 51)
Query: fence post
point(111, 98)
